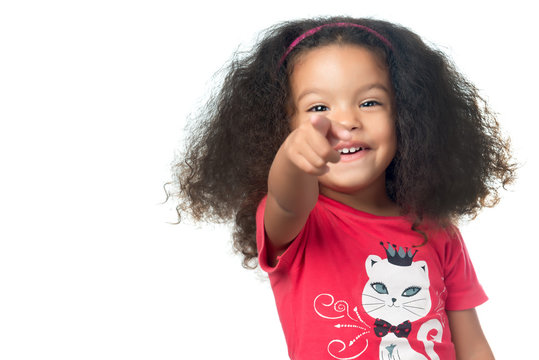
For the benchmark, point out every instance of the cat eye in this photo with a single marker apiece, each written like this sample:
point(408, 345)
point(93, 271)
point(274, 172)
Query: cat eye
point(379, 287)
point(411, 291)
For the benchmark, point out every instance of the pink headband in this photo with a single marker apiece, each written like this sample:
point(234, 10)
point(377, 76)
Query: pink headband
point(317, 29)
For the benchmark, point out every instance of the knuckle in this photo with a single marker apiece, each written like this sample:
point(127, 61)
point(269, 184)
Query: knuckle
point(318, 163)
point(309, 169)
point(327, 153)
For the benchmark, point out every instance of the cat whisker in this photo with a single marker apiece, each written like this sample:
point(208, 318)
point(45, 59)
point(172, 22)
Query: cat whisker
point(379, 307)
point(406, 308)
point(376, 303)
point(413, 307)
point(423, 299)
point(374, 297)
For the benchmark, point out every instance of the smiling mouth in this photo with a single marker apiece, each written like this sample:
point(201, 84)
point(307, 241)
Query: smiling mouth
point(351, 150)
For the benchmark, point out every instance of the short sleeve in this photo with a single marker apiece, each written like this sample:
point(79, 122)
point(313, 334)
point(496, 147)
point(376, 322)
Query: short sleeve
point(288, 258)
point(463, 288)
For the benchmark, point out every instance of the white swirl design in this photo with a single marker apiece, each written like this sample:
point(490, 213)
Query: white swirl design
point(326, 307)
point(343, 347)
point(339, 306)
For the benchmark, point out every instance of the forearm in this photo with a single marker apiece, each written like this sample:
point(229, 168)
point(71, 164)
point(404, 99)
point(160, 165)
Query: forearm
point(468, 337)
point(483, 355)
point(294, 190)
point(293, 178)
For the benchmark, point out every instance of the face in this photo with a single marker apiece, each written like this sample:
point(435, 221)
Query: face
point(349, 85)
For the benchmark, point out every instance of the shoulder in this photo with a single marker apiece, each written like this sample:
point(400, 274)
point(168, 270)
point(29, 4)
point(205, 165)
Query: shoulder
point(271, 257)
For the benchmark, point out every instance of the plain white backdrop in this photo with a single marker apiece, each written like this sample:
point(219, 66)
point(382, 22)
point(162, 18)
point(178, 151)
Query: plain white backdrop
point(93, 100)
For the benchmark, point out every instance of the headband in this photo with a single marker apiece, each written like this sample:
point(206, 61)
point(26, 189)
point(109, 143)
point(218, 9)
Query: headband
point(342, 24)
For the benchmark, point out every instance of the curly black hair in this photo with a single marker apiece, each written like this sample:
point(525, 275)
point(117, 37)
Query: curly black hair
point(451, 157)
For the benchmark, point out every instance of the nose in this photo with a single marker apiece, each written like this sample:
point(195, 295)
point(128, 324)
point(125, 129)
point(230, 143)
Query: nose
point(394, 300)
point(349, 118)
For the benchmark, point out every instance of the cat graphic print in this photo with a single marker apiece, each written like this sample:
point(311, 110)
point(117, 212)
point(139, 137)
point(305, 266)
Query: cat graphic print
point(396, 295)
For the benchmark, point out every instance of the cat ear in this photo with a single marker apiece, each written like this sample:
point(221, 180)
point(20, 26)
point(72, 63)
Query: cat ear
point(370, 262)
point(423, 266)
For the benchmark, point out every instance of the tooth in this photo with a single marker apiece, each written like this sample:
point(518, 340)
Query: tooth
point(345, 151)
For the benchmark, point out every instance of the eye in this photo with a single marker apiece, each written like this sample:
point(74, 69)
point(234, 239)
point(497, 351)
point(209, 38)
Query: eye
point(369, 103)
point(317, 108)
point(411, 291)
point(379, 287)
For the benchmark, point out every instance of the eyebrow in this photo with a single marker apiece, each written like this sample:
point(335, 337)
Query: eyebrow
point(362, 89)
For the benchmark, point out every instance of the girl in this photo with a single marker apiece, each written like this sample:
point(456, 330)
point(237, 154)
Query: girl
point(345, 150)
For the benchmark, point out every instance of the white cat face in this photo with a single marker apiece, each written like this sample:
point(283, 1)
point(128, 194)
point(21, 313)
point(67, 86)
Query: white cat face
point(396, 293)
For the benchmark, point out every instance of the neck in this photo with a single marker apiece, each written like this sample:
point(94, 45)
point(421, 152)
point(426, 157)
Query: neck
point(373, 200)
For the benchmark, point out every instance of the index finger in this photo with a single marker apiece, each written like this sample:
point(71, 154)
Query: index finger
point(338, 132)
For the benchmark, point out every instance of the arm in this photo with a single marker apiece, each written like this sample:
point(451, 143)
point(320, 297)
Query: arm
point(293, 179)
point(467, 335)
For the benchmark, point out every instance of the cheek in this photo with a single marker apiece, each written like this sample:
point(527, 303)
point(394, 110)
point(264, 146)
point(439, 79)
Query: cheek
point(295, 120)
point(386, 136)
point(393, 141)
point(291, 114)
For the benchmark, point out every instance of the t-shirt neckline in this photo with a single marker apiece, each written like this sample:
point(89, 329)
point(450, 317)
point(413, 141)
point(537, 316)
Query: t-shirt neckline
point(349, 209)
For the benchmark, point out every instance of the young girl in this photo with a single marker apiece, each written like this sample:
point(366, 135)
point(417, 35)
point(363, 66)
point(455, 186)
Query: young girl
point(345, 150)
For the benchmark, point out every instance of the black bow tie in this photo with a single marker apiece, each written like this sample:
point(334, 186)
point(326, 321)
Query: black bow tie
point(382, 328)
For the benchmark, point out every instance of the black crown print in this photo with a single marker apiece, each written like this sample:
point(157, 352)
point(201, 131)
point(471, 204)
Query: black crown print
point(401, 256)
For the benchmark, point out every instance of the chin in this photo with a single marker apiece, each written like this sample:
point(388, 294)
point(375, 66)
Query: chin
point(348, 189)
point(351, 184)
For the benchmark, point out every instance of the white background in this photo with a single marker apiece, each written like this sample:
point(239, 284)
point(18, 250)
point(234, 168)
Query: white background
point(93, 99)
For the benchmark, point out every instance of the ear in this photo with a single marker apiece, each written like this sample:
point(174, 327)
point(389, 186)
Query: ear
point(423, 266)
point(370, 262)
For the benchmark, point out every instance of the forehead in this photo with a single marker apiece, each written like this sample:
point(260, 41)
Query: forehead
point(344, 64)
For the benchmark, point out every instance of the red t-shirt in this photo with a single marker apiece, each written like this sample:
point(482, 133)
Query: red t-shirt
point(352, 286)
